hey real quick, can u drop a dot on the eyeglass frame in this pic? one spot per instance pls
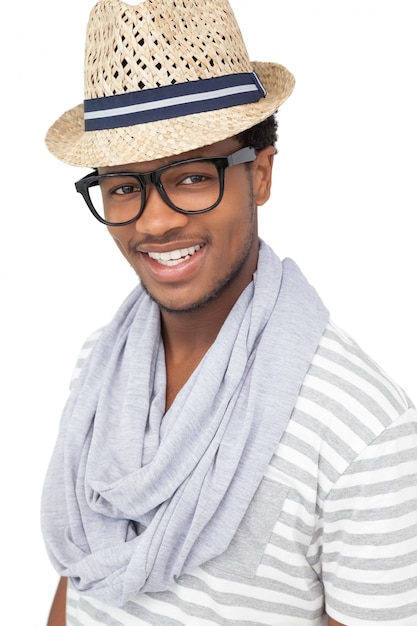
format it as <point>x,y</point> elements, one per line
<point>246,154</point>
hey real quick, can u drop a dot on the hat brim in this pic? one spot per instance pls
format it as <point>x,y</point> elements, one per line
<point>69,142</point>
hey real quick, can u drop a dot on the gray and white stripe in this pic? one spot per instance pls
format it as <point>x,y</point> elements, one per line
<point>343,528</point>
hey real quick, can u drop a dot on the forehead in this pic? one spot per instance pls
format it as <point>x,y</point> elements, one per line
<point>221,148</point>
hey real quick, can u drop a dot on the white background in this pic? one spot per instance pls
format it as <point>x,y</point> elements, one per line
<point>343,206</point>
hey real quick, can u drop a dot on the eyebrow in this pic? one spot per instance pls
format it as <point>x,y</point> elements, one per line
<point>176,160</point>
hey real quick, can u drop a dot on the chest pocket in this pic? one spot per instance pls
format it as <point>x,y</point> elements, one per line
<point>241,559</point>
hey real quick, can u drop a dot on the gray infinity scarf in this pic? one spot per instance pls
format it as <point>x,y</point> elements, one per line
<point>134,496</point>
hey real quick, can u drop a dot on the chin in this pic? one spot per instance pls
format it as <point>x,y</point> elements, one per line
<point>178,308</point>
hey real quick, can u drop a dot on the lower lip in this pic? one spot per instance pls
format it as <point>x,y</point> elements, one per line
<point>174,273</point>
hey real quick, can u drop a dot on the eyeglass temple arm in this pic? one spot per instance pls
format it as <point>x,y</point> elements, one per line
<point>245,155</point>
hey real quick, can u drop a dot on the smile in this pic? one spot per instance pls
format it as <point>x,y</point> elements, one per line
<point>174,257</point>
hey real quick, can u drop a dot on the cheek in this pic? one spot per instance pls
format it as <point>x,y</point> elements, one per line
<point>120,241</point>
<point>236,230</point>
<point>236,211</point>
<point>242,214</point>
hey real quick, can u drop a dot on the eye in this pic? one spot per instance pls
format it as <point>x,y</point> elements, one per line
<point>125,190</point>
<point>194,179</point>
<point>119,187</point>
<point>189,177</point>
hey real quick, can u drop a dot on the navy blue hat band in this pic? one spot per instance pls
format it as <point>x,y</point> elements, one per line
<point>169,101</point>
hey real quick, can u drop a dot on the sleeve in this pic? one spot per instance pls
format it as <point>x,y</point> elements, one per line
<point>369,533</point>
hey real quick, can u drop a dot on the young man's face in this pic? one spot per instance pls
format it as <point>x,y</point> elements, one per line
<point>217,250</point>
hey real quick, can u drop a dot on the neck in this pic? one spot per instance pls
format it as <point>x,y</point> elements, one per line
<point>187,337</point>
<point>194,331</point>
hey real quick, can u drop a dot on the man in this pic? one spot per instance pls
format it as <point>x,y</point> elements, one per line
<point>227,454</point>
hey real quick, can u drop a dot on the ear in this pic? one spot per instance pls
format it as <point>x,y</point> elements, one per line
<point>262,174</point>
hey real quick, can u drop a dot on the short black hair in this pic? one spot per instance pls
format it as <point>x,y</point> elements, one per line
<point>260,136</point>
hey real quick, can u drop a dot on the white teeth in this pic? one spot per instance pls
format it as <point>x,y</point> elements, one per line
<point>174,257</point>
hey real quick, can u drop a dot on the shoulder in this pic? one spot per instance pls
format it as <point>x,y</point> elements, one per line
<point>343,374</point>
<point>345,405</point>
<point>346,395</point>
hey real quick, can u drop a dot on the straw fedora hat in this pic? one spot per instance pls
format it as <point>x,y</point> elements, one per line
<point>162,78</point>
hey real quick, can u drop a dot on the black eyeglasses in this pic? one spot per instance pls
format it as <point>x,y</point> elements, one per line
<point>190,186</point>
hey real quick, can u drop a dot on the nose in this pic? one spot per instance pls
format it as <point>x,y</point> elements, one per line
<point>158,217</point>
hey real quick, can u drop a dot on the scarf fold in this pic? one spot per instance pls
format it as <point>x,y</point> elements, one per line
<point>134,496</point>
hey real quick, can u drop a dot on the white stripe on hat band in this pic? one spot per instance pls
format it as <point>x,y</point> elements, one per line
<point>167,102</point>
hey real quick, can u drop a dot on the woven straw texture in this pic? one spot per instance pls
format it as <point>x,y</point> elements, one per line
<point>157,43</point>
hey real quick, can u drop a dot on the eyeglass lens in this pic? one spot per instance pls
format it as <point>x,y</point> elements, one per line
<point>188,186</point>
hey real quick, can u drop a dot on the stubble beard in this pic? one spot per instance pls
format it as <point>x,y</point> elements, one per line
<point>224,282</point>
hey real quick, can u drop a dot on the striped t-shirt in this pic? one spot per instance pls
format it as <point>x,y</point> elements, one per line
<point>332,527</point>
